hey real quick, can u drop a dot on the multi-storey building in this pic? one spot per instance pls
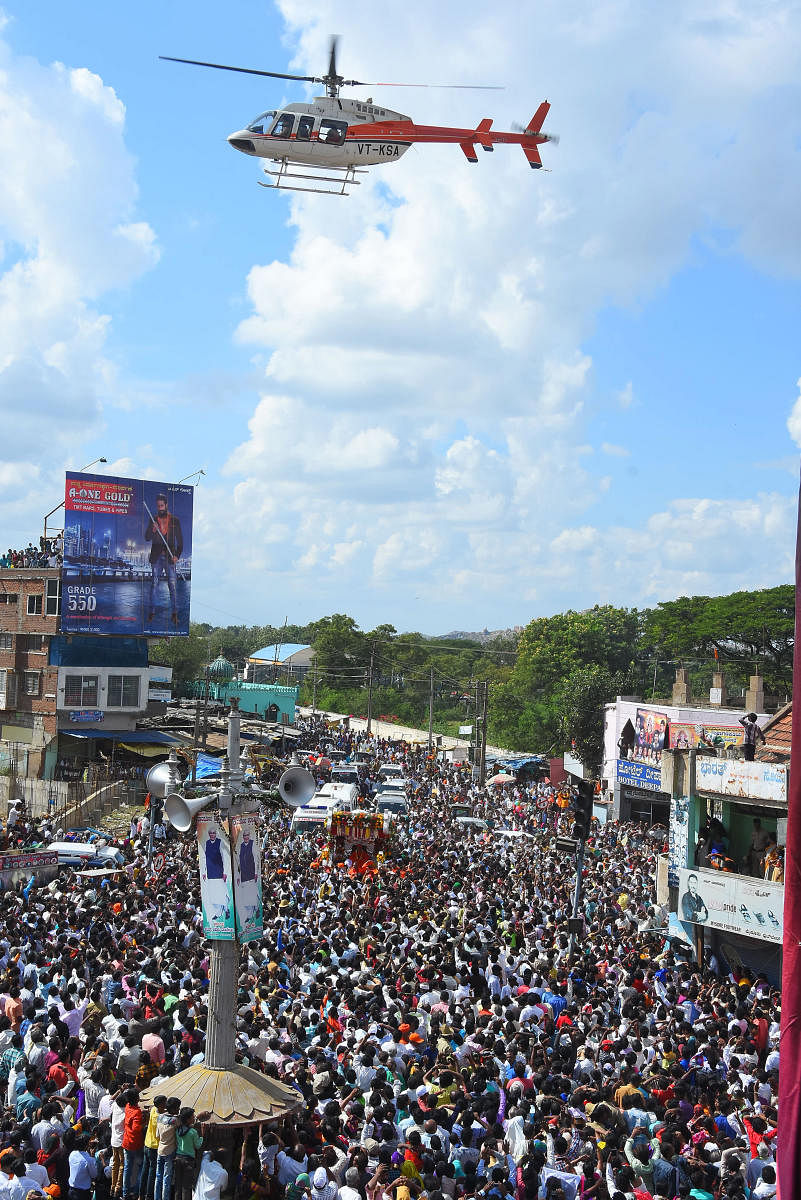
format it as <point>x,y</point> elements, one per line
<point>62,694</point>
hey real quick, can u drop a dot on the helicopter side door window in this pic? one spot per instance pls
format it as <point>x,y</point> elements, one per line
<point>283,126</point>
<point>332,133</point>
<point>305,127</point>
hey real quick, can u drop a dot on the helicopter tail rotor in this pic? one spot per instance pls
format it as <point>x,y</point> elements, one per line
<point>549,137</point>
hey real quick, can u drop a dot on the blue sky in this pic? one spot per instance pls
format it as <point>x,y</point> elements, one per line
<point>468,395</point>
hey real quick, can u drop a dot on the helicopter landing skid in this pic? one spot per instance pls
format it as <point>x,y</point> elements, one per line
<point>344,176</point>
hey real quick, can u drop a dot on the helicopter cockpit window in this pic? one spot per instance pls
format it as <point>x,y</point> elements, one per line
<point>283,126</point>
<point>332,133</point>
<point>305,127</point>
<point>262,123</point>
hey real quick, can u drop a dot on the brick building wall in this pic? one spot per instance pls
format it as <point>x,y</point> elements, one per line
<point>29,617</point>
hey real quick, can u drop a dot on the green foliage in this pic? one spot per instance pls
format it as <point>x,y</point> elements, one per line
<point>580,701</point>
<point>548,687</point>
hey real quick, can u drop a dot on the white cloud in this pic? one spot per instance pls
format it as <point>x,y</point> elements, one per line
<point>794,419</point>
<point>69,233</point>
<point>426,399</point>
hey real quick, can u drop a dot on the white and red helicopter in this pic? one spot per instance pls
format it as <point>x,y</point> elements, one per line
<point>332,139</point>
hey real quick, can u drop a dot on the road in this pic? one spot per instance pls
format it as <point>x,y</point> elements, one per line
<point>388,729</point>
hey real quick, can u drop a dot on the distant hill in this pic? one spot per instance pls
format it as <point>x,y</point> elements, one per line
<point>485,635</point>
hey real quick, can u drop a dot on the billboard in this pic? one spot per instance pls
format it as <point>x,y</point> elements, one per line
<point>733,903</point>
<point>216,882</point>
<point>127,556</point>
<point>684,735</point>
<point>247,877</point>
<point>650,734</point>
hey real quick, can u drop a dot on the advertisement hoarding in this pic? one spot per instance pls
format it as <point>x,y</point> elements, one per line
<point>733,903</point>
<point>748,780</point>
<point>247,877</point>
<point>685,735</point>
<point>216,880</point>
<point>650,734</point>
<point>127,556</point>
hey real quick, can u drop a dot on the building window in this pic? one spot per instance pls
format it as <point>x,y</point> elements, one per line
<point>8,597</point>
<point>80,691</point>
<point>6,641</point>
<point>53,600</point>
<point>32,643</point>
<point>123,691</point>
<point>8,689</point>
<point>32,682</point>
<point>35,606</point>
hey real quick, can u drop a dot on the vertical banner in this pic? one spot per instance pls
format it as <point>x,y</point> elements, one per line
<point>216,878</point>
<point>789,1161</point>
<point>247,878</point>
<point>127,565</point>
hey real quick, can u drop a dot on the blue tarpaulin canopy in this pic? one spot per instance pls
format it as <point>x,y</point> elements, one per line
<point>207,765</point>
<point>515,764</point>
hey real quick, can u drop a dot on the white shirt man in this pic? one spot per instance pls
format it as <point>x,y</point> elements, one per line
<point>211,1181</point>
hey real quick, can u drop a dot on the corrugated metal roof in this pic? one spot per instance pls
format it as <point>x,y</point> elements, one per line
<point>279,654</point>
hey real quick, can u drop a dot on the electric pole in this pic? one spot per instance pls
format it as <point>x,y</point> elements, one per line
<point>483,751</point>
<point>431,710</point>
<point>314,689</point>
<point>370,691</point>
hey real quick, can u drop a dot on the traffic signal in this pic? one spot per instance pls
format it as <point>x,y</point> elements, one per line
<point>583,810</point>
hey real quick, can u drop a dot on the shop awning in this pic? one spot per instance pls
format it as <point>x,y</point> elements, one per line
<point>146,749</point>
<point>147,737</point>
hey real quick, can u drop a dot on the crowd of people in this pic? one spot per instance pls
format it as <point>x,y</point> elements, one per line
<point>49,553</point>
<point>441,1041</point>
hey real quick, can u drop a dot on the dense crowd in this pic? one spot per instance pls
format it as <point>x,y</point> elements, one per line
<point>440,1040</point>
<point>49,553</point>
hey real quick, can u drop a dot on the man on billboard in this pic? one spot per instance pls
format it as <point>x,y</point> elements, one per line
<point>166,546</point>
<point>692,904</point>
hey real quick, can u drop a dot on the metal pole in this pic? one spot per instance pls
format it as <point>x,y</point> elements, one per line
<point>206,711</point>
<point>370,692</point>
<point>484,712</point>
<point>314,690</point>
<point>431,710</point>
<point>576,899</point>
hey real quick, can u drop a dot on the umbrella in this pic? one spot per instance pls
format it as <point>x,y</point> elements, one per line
<point>502,777</point>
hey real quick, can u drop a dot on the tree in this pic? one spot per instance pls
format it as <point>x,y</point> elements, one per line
<point>581,700</point>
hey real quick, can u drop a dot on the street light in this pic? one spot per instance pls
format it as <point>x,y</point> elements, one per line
<point>61,502</point>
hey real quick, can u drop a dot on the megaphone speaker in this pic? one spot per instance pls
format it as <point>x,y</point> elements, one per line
<point>296,787</point>
<point>181,813</point>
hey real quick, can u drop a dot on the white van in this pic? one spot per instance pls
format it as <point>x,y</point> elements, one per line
<point>392,805</point>
<point>344,796</point>
<point>390,771</point>
<point>311,820</point>
<point>315,817</point>
<point>89,854</point>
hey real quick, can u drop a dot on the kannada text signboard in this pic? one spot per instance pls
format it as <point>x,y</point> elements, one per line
<point>748,780</point>
<point>639,774</point>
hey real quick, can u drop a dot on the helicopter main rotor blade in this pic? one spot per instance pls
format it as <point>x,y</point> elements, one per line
<point>463,87</point>
<point>332,55</point>
<point>193,62</point>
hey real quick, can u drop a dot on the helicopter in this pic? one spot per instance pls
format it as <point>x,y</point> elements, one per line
<point>333,139</point>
